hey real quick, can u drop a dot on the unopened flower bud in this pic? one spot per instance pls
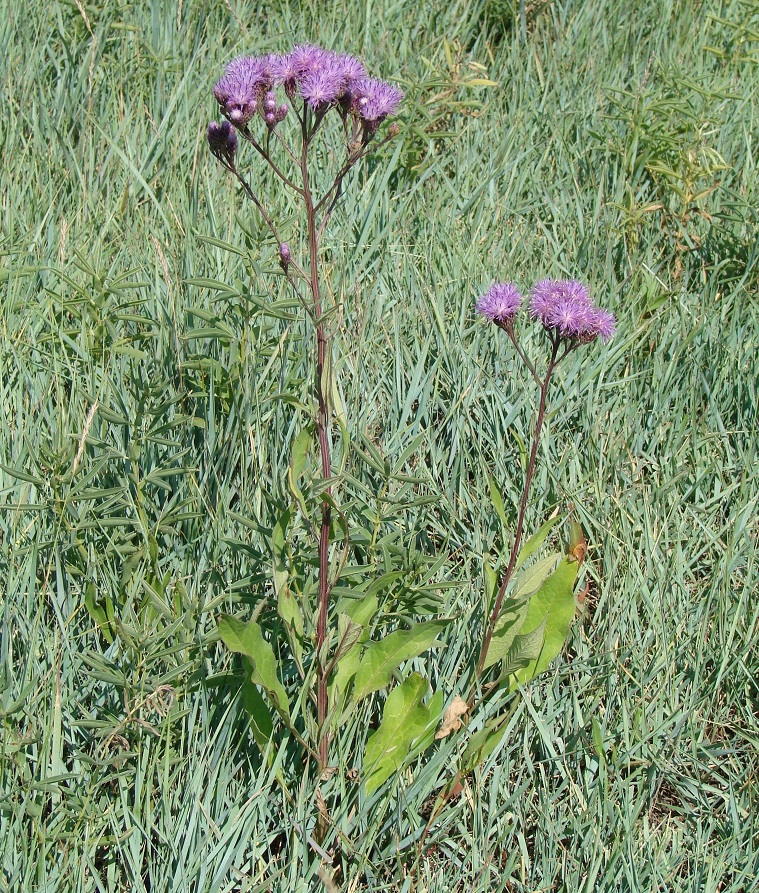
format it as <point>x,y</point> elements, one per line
<point>222,139</point>
<point>284,255</point>
<point>270,102</point>
<point>393,130</point>
<point>271,119</point>
<point>237,117</point>
<point>282,112</point>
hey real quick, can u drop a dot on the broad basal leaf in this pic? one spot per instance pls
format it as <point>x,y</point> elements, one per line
<point>381,659</point>
<point>515,609</point>
<point>255,706</point>
<point>405,720</point>
<point>553,605</point>
<point>536,540</point>
<point>248,639</point>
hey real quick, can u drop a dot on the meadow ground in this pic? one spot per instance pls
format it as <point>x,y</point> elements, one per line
<point>144,438</point>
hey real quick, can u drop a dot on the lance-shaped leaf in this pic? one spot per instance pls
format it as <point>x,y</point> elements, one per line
<point>301,445</point>
<point>552,606</point>
<point>405,721</point>
<point>513,614</point>
<point>360,611</point>
<point>381,659</point>
<point>536,540</point>
<point>525,649</point>
<point>348,634</point>
<point>484,742</point>
<point>255,706</point>
<point>248,639</point>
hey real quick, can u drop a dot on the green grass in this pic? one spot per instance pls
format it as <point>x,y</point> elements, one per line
<point>126,764</point>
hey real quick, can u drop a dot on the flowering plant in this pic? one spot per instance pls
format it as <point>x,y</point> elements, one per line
<point>329,639</point>
<point>527,621</point>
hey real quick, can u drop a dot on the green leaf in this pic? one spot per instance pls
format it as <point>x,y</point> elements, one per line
<point>553,605</point>
<point>360,611</point>
<point>531,579</point>
<point>248,639</point>
<point>483,742</point>
<point>288,607</point>
<point>381,659</point>
<point>301,445</point>
<point>515,608</point>
<point>279,552</point>
<point>510,621</point>
<point>497,500</point>
<point>491,583</point>
<point>348,634</point>
<point>525,649</point>
<point>536,540</point>
<point>404,721</point>
<point>260,719</point>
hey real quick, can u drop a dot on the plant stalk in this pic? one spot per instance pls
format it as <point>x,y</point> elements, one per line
<point>323,414</point>
<point>522,510</point>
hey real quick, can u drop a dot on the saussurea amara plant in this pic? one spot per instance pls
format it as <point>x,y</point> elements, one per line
<point>527,617</point>
<point>332,115</point>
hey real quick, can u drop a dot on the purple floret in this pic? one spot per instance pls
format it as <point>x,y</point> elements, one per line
<point>374,99</point>
<point>500,302</point>
<point>322,87</point>
<point>571,316</point>
<point>603,324</point>
<point>246,80</point>
<point>564,305</point>
<point>305,58</point>
<point>348,68</point>
<point>546,294</point>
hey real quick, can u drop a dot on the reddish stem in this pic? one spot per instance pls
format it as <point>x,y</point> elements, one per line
<point>322,431</point>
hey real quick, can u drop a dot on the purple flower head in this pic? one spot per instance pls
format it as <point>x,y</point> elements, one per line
<point>222,140</point>
<point>500,303</point>
<point>303,59</point>
<point>287,72</point>
<point>603,325</point>
<point>246,80</point>
<point>373,99</point>
<point>571,316</point>
<point>564,305</point>
<point>348,68</point>
<point>322,87</point>
<point>547,293</point>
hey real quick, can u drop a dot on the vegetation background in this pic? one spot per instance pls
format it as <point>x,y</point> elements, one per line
<point>143,436</point>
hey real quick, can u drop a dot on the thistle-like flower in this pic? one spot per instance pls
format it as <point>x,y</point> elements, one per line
<point>322,87</point>
<point>373,100</point>
<point>500,303</point>
<point>564,306</point>
<point>245,81</point>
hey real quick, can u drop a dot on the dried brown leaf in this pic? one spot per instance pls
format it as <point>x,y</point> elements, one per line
<point>452,717</point>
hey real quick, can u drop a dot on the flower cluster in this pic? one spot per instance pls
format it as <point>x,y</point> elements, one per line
<point>322,78</point>
<point>563,306</point>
